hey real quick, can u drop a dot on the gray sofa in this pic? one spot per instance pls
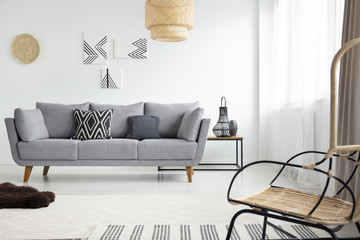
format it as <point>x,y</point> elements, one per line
<point>59,149</point>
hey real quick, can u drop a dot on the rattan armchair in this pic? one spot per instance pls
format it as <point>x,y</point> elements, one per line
<point>306,208</point>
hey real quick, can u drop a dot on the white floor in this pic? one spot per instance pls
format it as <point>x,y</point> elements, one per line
<point>130,180</point>
<point>198,202</point>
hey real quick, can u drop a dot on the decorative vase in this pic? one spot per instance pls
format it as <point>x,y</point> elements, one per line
<point>233,127</point>
<point>221,129</point>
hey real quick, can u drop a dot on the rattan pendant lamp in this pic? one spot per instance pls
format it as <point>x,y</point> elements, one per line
<point>169,20</point>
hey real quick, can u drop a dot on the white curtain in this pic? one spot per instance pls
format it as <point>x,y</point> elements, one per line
<point>298,40</point>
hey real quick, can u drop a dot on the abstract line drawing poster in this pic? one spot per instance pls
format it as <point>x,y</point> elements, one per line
<point>95,48</point>
<point>111,78</point>
<point>131,48</point>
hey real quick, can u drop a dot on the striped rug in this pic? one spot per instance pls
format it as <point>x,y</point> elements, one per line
<point>196,232</point>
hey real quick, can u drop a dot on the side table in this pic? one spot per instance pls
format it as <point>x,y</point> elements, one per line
<point>236,164</point>
<point>237,140</point>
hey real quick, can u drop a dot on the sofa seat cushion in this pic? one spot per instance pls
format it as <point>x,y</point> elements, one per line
<point>49,149</point>
<point>166,149</point>
<point>115,148</point>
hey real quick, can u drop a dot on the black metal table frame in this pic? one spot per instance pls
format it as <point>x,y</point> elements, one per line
<point>219,164</point>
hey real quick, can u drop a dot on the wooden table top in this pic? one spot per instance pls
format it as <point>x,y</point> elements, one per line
<point>225,138</point>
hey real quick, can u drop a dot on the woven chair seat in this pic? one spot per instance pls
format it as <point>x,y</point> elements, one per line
<point>331,211</point>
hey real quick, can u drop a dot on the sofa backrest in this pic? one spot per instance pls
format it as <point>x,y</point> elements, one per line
<point>60,123</point>
<point>119,124</point>
<point>59,118</point>
<point>170,116</point>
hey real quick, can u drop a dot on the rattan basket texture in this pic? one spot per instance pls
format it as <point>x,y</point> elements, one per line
<point>25,48</point>
<point>331,211</point>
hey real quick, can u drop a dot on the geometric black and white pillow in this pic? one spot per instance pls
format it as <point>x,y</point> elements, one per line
<point>92,124</point>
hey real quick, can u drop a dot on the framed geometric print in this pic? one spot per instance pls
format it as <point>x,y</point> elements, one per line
<point>111,78</point>
<point>95,48</point>
<point>131,48</point>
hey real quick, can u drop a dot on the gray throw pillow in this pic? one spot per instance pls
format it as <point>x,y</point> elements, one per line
<point>190,124</point>
<point>120,125</point>
<point>170,116</point>
<point>143,127</point>
<point>59,119</point>
<point>30,124</point>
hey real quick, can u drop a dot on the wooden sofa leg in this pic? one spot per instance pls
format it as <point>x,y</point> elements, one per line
<point>46,170</point>
<point>189,173</point>
<point>192,170</point>
<point>27,173</point>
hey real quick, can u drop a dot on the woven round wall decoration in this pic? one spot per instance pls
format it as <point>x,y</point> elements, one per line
<point>25,48</point>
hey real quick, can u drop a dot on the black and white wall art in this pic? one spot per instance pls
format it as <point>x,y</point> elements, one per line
<point>95,48</point>
<point>131,48</point>
<point>111,78</point>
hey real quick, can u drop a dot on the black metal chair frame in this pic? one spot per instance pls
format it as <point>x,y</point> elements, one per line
<point>270,213</point>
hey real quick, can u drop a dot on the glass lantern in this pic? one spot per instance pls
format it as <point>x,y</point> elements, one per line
<point>221,129</point>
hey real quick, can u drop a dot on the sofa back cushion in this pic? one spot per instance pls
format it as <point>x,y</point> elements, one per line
<point>59,119</point>
<point>170,116</point>
<point>120,125</point>
<point>30,124</point>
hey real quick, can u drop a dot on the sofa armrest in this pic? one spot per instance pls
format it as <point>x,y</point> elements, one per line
<point>13,139</point>
<point>202,138</point>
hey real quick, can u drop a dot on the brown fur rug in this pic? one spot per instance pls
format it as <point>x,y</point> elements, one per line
<point>12,196</point>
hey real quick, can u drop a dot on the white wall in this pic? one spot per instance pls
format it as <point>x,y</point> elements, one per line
<point>220,58</point>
